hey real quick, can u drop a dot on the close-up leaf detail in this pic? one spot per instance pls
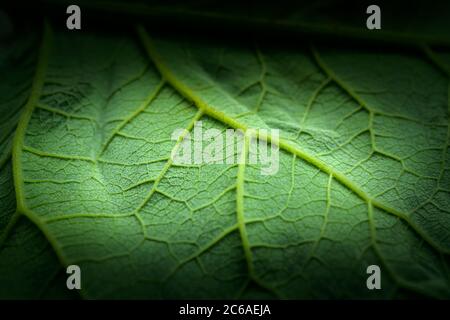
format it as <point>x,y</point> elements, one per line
<point>87,176</point>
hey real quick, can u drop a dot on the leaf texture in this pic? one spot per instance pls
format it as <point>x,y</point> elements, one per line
<point>364,173</point>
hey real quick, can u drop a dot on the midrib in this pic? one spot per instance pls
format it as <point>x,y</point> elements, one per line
<point>17,148</point>
<point>262,23</point>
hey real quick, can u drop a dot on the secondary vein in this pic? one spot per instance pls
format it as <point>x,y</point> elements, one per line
<point>240,206</point>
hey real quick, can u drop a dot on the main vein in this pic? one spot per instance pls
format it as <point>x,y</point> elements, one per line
<point>17,148</point>
<point>36,89</point>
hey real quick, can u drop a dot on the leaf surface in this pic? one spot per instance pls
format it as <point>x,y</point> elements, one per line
<point>363,168</point>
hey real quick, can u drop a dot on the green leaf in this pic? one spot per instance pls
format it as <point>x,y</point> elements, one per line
<point>18,65</point>
<point>364,174</point>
